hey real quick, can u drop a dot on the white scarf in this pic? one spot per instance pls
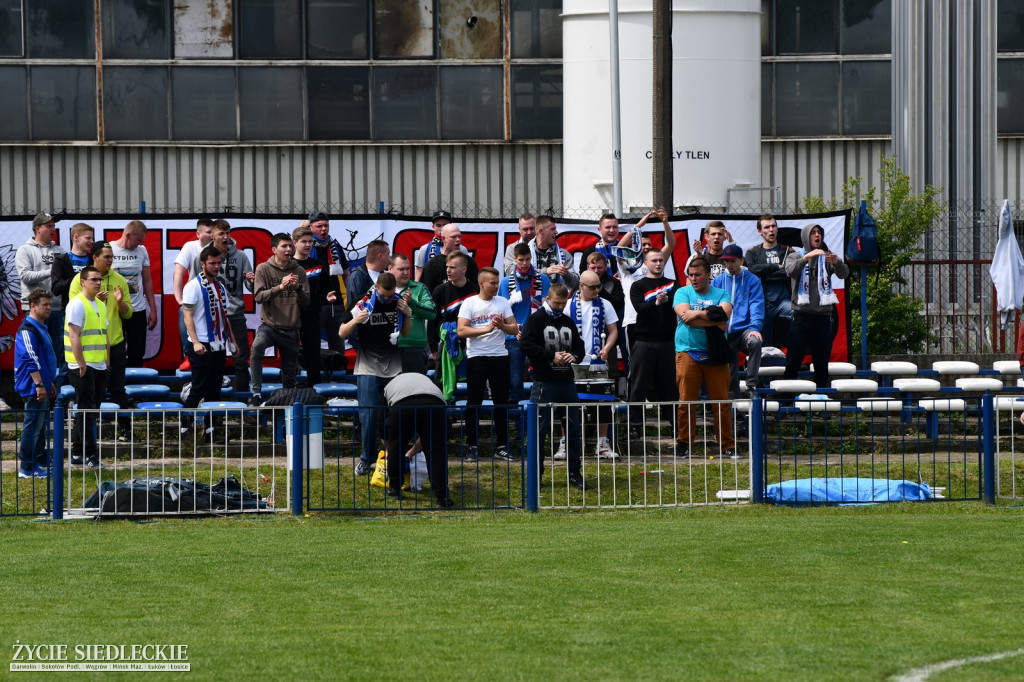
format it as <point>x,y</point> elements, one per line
<point>825,294</point>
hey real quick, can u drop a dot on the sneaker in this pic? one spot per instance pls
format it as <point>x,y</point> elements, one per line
<point>185,366</point>
<point>41,472</point>
<point>92,462</point>
<point>501,452</point>
<point>560,453</point>
<point>76,460</point>
<point>256,400</point>
<point>394,494</point>
<point>604,449</point>
<point>125,436</point>
<point>26,474</point>
<point>682,449</point>
<point>576,481</point>
<point>4,407</point>
<point>472,454</point>
<point>730,454</point>
<point>445,502</point>
<point>362,469</point>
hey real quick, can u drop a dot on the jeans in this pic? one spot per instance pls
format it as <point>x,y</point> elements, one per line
<point>287,343</point>
<point>751,347</point>
<point>370,396</point>
<point>516,370</point>
<point>33,434</point>
<point>773,310</point>
<point>562,393</point>
<point>241,330</point>
<point>55,325</point>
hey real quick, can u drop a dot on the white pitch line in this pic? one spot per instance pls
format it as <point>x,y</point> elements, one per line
<point>921,674</point>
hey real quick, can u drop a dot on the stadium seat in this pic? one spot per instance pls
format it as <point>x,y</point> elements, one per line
<point>134,375</point>
<point>840,369</point>
<point>979,384</point>
<point>961,367</point>
<point>880,405</point>
<point>916,384</point>
<point>1011,367</point>
<point>855,385</point>
<point>147,391</point>
<point>793,386</point>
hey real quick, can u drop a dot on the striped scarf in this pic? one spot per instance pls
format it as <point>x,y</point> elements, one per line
<point>215,306</point>
<point>370,301</point>
<point>536,286</point>
<point>597,318</point>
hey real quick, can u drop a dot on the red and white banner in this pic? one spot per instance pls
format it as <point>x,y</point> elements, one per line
<point>486,241</point>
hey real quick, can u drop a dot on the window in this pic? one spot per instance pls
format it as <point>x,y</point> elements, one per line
<point>339,102</point>
<point>810,27</point>
<point>472,103</point>
<point>10,29</point>
<point>1010,23</point>
<point>537,102</point>
<point>470,29</point>
<point>536,28</point>
<point>14,93</point>
<point>135,102</point>
<point>270,101</point>
<point>63,29</point>
<point>403,29</point>
<point>867,98</point>
<point>405,103</point>
<point>337,29</point>
<point>805,26</point>
<point>203,29</point>
<point>1010,96</point>
<point>135,29</point>
<point>269,29</point>
<point>806,98</point>
<point>63,102</point>
<point>204,103</point>
<point>867,27</point>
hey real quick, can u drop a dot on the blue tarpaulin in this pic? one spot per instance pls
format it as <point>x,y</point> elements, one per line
<point>809,490</point>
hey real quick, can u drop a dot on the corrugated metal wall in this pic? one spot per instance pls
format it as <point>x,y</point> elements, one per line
<point>483,181</point>
<point>470,180</point>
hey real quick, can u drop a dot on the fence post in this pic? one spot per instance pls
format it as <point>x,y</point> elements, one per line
<point>988,458</point>
<point>532,461</point>
<point>57,464</point>
<point>757,449</point>
<point>298,442</point>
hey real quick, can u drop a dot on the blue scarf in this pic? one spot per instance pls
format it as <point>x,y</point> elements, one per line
<point>597,316</point>
<point>536,285</point>
<point>214,297</point>
<point>371,299</point>
<point>610,253</point>
<point>433,249</point>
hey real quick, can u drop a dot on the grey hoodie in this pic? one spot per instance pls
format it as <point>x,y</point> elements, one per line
<point>280,308</point>
<point>794,268</point>
<point>232,273</point>
<point>34,261</point>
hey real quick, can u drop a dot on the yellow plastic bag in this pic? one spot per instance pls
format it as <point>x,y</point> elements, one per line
<point>380,472</point>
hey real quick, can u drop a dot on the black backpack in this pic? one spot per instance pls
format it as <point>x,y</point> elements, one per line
<point>863,247</point>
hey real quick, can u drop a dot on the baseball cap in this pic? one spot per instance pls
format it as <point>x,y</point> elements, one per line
<point>99,246</point>
<point>42,219</point>
<point>316,216</point>
<point>731,252</point>
<point>441,214</point>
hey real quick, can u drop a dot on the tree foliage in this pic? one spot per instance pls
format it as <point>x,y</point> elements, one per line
<point>896,324</point>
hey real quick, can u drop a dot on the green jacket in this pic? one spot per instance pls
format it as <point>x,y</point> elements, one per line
<point>423,310</point>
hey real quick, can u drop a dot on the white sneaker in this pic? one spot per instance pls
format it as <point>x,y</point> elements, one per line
<point>560,453</point>
<point>4,407</point>
<point>604,449</point>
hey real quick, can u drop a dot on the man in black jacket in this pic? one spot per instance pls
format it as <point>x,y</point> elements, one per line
<point>551,341</point>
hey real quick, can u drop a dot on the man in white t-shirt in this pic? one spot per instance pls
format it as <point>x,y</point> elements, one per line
<point>484,320</point>
<point>595,320</point>
<point>87,351</point>
<point>131,261</point>
<point>187,265</point>
<point>210,338</point>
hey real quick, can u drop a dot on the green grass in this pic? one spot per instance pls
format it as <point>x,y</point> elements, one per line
<point>697,593</point>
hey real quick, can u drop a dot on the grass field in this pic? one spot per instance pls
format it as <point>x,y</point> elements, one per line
<point>694,593</point>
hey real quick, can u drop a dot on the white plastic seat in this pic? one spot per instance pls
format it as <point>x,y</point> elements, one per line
<point>1006,367</point>
<point>793,386</point>
<point>880,405</point>
<point>855,385</point>
<point>955,367</point>
<point>1007,402</point>
<point>744,406</point>
<point>893,367</point>
<point>819,405</point>
<point>840,369</point>
<point>916,384</point>
<point>942,404</point>
<point>771,371</point>
<point>979,384</point>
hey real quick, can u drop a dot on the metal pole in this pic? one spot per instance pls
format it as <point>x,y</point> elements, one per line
<point>661,105</point>
<point>988,463</point>
<point>298,433</point>
<point>757,449</point>
<point>57,463</point>
<point>863,317</point>
<point>613,65</point>
<point>532,458</point>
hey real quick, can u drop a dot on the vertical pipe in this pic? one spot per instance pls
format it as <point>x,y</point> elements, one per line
<point>661,106</point>
<point>532,458</point>
<point>757,446</point>
<point>863,317</point>
<point>988,450</point>
<point>298,431</point>
<point>57,463</point>
<point>613,65</point>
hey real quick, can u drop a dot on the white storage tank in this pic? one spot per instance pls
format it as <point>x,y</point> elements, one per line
<point>716,73</point>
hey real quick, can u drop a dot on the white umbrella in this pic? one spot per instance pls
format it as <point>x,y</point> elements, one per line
<point>1007,269</point>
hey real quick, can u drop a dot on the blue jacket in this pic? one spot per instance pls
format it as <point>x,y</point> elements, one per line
<point>33,352</point>
<point>522,310</point>
<point>747,296</point>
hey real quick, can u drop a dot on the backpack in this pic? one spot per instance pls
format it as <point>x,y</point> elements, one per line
<point>863,246</point>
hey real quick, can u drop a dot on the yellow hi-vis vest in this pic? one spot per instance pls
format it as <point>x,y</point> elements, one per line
<point>94,333</point>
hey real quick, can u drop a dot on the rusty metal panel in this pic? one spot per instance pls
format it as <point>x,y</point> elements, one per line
<point>470,29</point>
<point>404,28</point>
<point>204,29</point>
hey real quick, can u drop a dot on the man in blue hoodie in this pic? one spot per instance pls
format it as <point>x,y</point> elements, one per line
<point>35,368</point>
<point>747,321</point>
